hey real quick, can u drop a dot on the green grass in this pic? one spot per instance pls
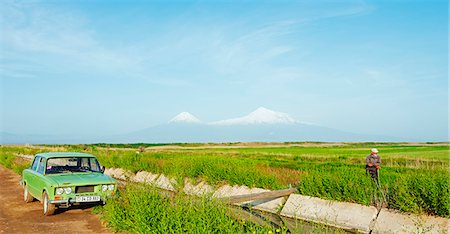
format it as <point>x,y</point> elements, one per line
<point>415,178</point>
<point>409,190</point>
<point>9,160</point>
<point>142,209</point>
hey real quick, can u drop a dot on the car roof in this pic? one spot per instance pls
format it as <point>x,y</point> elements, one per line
<point>63,154</point>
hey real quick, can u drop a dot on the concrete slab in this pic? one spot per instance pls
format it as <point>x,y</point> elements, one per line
<point>338,214</point>
<point>268,205</point>
<point>200,189</point>
<point>390,221</point>
<point>145,177</point>
<point>110,172</point>
<point>166,183</point>
<point>223,191</point>
<point>229,191</point>
<point>119,173</point>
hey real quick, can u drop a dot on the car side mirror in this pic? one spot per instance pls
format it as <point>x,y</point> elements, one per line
<point>103,169</point>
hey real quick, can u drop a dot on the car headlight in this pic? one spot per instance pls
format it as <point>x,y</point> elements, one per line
<point>68,190</point>
<point>59,191</point>
<point>104,188</point>
<point>111,187</point>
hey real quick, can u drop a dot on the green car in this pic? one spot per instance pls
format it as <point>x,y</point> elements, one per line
<point>60,180</point>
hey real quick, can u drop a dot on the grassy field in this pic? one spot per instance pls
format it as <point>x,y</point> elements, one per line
<point>142,209</point>
<point>414,177</point>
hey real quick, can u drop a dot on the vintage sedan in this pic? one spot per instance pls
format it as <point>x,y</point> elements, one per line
<point>60,180</point>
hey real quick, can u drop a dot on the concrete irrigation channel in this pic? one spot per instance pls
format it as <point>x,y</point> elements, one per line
<point>297,212</point>
<point>284,208</point>
<point>261,208</point>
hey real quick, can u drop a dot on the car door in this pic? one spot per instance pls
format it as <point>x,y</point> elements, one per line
<point>30,176</point>
<point>40,181</point>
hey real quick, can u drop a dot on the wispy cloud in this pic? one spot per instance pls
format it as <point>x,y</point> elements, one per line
<point>251,55</point>
<point>31,33</point>
<point>30,27</point>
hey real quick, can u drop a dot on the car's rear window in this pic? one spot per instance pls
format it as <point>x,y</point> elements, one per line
<point>72,164</point>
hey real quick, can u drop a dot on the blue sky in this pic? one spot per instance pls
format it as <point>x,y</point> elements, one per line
<point>110,67</point>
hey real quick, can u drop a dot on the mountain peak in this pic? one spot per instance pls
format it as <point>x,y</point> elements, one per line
<point>184,117</point>
<point>259,116</point>
<point>263,111</point>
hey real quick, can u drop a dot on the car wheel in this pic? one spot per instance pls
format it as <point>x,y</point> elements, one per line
<point>27,197</point>
<point>49,209</point>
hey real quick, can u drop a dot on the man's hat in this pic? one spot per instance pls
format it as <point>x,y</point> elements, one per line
<point>374,150</point>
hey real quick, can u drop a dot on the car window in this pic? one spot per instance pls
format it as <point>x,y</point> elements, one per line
<point>90,163</point>
<point>84,162</point>
<point>35,163</point>
<point>93,163</point>
<point>72,164</point>
<point>41,166</point>
<point>67,162</point>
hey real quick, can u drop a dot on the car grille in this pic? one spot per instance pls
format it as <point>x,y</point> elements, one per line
<point>84,189</point>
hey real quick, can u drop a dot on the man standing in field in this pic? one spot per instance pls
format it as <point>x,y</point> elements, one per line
<point>373,162</point>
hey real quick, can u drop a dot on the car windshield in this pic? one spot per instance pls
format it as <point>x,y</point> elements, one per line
<point>72,164</point>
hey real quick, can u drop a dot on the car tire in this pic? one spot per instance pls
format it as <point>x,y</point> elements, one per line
<point>27,197</point>
<point>49,209</point>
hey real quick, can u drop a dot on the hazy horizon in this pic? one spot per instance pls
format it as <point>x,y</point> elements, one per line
<point>112,67</point>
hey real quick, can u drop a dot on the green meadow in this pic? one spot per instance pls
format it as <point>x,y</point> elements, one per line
<point>414,177</point>
<point>142,209</point>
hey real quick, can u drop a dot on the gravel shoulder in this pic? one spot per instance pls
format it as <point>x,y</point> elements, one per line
<point>16,216</point>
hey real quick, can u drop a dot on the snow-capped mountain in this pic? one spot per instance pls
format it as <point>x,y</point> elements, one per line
<point>259,116</point>
<point>185,117</point>
<point>260,125</point>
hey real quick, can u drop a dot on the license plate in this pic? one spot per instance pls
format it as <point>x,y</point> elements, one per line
<point>88,199</point>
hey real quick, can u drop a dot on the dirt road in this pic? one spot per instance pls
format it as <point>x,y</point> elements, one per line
<point>16,216</point>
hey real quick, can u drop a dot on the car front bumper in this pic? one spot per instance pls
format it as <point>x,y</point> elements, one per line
<point>71,201</point>
<point>59,201</point>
